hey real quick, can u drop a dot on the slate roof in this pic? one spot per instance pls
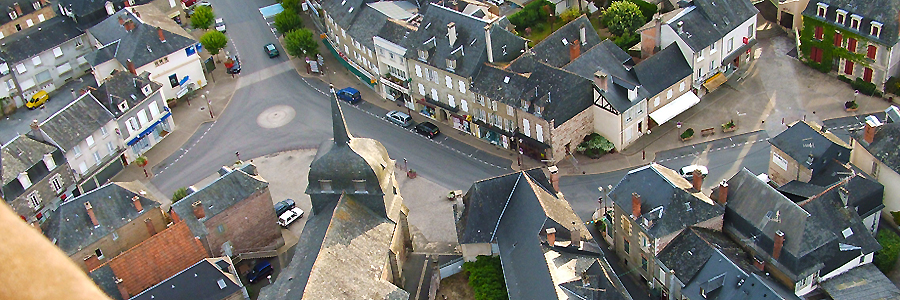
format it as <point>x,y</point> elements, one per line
<point>39,38</point>
<point>560,93</point>
<point>865,193</point>
<point>514,211</point>
<point>710,20</point>
<point>348,264</point>
<point>882,11</point>
<point>367,23</point>
<point>75,122</point>
<point>104,277</point>
<point>720,278</point>
<point>469,44</point>
<point>219,196</point>
<point>608,58</point>
<point>394,32</point>
<point>803,140</point>
<point>85,7</point>
<point>662,70</point>
<point>21,154</point>
<point>142,45</point>
<point>884,145</point>
<point>71,228</point>
<point>863,282</point>
<point>554,49</point>
<point>597,282</point>
<point>658,187</point>
<point>813,228</point>
<point>201,282</point>
<point>491,83</point>
<point>340,11</point>
<point>505,45</point>
<point>123,86</point>
<point>25,6</point>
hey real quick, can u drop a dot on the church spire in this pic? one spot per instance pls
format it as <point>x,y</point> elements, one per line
<point>341,136</point>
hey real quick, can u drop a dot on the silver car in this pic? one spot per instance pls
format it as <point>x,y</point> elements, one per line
<point>399,118</point>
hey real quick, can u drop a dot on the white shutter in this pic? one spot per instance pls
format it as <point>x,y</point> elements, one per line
<point>142,117</point>
<point>57,52</point>
<point>462,87</point>
<point>421,89</point>
<point>451,100</point>
<point>539,132</point>
<point>36,60</point>
<point>419,72</point>
<point>464,105</point>
<point>449,82</point>
<point>527,127</point>
<point>434,94</point>
<point>154,109</point>
<point>21,68</point>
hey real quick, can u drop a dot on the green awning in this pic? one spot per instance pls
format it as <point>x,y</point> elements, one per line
<point>362,76</point>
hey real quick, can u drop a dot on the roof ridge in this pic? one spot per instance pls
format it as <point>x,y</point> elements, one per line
<point>505,205</point>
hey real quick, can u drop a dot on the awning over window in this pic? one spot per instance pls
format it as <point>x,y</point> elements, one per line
<point>677,106</point>
<point>714,82</point>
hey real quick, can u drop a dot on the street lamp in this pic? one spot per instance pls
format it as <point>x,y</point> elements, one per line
<point>208,104</point>
<point>678,124</point>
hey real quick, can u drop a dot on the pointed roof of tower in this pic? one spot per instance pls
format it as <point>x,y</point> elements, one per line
<point>341,136</point>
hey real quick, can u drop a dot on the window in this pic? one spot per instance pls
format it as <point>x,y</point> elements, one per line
<point>750,31</point>
<point>325,185</point>
<point>115,236</point>
<point>730,45</point>
<point>434,95</point>
<point>462,87</point>
<point>626,225</point>
<point>57,52</point>
<point>841,16</point>
<point>626,245</point>
<point>867,75</point>
<point>848,67</point>
<point>34,200</point>
<point>668,94</point>
<point>464,105</point>
<point>343,33</point>
<point>24,180</point>
<point>360,186</point>
<point>103,131</point>
<point>874,168</point>
<point>851,44</point>
<point>13,15</point>
<point>854,21</point>
<point>526,127</point>
<point>98,253</point>
<point>63,68</point>
<point>78,43</point>
<point>539,132</point>
<point>82,167</point>
<point>509,110</point>
<point>712,48</point>
<point>418,71</point>
<point>680,87</point>
<point>36,60</point>
<point>111,147</point>
<point>142,117</point>
<point>36,5</point>
<point>871,51</point>
<point>656,102</point>
<point>838,39</point>
<point>421,89</point>
<point>434,75</point>
<point>56,183</point>
<point>161,61</point>
<point>875,30</point>
<point>815,54</point>
<point>820,11</point>
<point>29,23</point>
<point>76,150</point>
<point>449,82</point>
<point>820,33</point>
<point>451,100</point>
<point>220,228</point>
<point>643,262</point>
<point>132,125</point>
<point>642,238</point>
<point>21,68</point>
<point>43,76</point>
<point>97,157</point>
<point>90,141</point>
<point>41,17</point>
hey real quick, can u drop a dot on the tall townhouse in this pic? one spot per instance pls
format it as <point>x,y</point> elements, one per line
<point>855,39</point>
<point>389,46</point>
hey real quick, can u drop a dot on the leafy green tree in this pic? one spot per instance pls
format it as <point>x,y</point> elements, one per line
<point>214,41</point>
<point>647,9</point>
<point>290,4</point>
<point>203,17</point>
<point>179,194</point>
<point>570,14</point>
<point>301,42</point>
<point>623,17</point>
<point>890,250</point>
<point>486,278</point>
<point>287,20</point>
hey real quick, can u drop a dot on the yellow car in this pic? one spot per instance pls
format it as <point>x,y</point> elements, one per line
<point>37,100</point>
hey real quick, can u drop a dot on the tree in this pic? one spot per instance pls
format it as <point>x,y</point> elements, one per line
<point>203,17</point>
<point>301,42</point>
<point>213,41</point>
<point>287,20</point>
<point>179,194</point>
<point>290,4</point>
<point>890,250</point>
<point>570,14</point>
<point>623,17</point>
<point>600,4</point>
<point>486,278</point>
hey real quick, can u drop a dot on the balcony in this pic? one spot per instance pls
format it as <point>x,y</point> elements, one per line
<point>396,83</point>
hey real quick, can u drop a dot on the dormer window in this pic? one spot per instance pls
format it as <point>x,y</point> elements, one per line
<point>360,186</point>
<point>854,21</point>
<point>875,29</point>
<point>123,106</point>
<point>423,55</point>
<point>36,5</point>
<point>820,11</point>
<point>13,15</point>
<point>841,16</point>
<point>451,64</point>
<point>537,110</point>
<point>325,185</point>
<point>24,180</point>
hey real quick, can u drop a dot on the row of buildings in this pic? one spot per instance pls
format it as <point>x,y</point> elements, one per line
<point>462,64</point>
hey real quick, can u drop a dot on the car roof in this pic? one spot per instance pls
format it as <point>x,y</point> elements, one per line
<point>428,124</point>
<point>348,89</point>
<point>270,45</point>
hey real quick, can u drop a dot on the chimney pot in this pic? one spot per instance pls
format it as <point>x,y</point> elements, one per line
<point>723,193</point>
<point>18,9</point>
<point>198,210</point>
<point>162,37</point>
<point>551,236</point>
<point>137,203</point>
<point>554,177</point>
<point>870,130</point>
<point>697,180</point>
<point>451,33</point>
<point>635,205</point>
<point>150,228</point>
<point>759,264</point>
<point>574,50</point>
<point>130,66</point>
<point>779,243</point>
<point>90,211</point>
<point>137,14</point>
<point>680,27</point>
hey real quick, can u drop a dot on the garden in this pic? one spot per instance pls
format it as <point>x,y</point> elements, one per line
<point>486,278</point>
<point>595,146</point>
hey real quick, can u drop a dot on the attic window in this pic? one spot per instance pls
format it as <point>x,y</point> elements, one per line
<point>360,186</point>
<point>820,11</point>
<point>221,283</point>
<point>504,49</point>
<point>423,55</point>
<point>146,90</point>
<point>350,11</point>
<point>506,79</point>
<point>326,186</point>
<point>875,29</point>
<point>451,64</point>
<point>123,106</point>
<point>565,42</point>
<point>854,21</point>
<point>847,232</point>
<point>841,16</point>
<point>343,2</point>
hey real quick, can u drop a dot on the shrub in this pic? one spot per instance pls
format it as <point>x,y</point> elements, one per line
<point>627,41</point>
<point>892,85</point>
<point>179,194</point>
<point>570,14</point>
<point>486,278</point>
<point>687,133</point>
<point>845,79</point>
<point>531,14</point>
<point>647,9</point>
<point>896,215</point>
<point>595,145</point>
<point>890,250</point>
<point>600,226</point>
<point>866,88</point>
<point>623,17</point>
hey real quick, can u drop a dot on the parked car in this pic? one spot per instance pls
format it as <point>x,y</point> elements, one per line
<point>283,206</point>
<point>350,95</point>
<point>220,25</point>
<point>233,65</point>
<point>399,118</point>
<point>427,129</point>
<point>260,271</point>
<point>290,216</point>
<point>688,171</point>
<point>271,50</point>
<point>37,99</point>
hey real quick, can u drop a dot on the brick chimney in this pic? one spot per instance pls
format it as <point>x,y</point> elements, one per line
<point>175,217</point>
<point>574,50</point>
<point>121,20</point>
<point>130,66</point>
<point>120,284</point>
<point>779,243</point>
<point>635,205</point>
<point>600,79</point>
<point>137,203</point>
<point>723,193</point>
<point>576,237</point>
<point>137,13</point>
<point>198,210</point>
<point>90,212</point>
<point>36,130</point>
<point>150,229</point>
<point>870,130</point>
<point>551,236</point>
<point>17,8</point>
<point>554,177</point>
<point>129,25</point>
<point>162,37</point>
<point>696,180</point>
<point>759,264</point>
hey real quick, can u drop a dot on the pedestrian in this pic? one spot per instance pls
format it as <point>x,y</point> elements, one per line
<point>238,154</point>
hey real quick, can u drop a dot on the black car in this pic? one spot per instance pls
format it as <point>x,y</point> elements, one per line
<point>427,129</point>
<point>236,68</point>
<point>260,271</point>
<point>283,206</point>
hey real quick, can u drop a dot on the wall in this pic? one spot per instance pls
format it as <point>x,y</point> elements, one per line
<point>250,225</point>
<point>894,59</point>
<point>661,99</point>
<point>472,251</point>
<point>796,8</point>
<point>71,51</point>
<point>630,129</point>
<point>179,64</point>
<point>571,133</point>
<point>458,88</point>
<point>861,158</point>
<point>155,99</point>
<point>102,71</point>
<point>130,235</point>
<point>533,122</point>
<point>390,54</point>
<point>100,146</point>
<point>794,171</point>
<point>36,17</point>
<point>21,203</point>
<point>608,125</point>
<point>849,265</point>
<point>361,56</point>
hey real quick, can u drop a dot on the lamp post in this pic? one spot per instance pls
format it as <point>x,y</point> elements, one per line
<point>208,104</point>
<point>678,124</point>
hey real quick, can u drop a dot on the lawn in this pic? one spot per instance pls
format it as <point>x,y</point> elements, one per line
<point>540,31</point>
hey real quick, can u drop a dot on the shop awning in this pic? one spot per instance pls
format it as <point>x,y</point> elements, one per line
<point>714,82</point>
<point>148,130</point>
<point>677,106</point>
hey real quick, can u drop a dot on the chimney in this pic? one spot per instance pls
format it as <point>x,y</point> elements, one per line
<point>723,193</point>
<point>150,229</point>
<point>488,45</point>
<point>779,243</point>
<point>90,211</point>
<point>18,9</point>
<point>576,237</point>
<point>554,177</point>
<point>121,20</point>
<point>130,66</point>
<point>679,27</point>
<point>36,130</point>
<point>174,215</point>
<point>582,35</point>
<point>696,180</point>
<point>137,14</point>
<point>162,37</point>
<point>137,203</point>
<point>759,264</point>
<point>122,290</point>
<point>574,50</point>
<point>129,25</point>
<point>658,30</point>
<point>551,236</point>
<point>600,79</point>
<point>198,210</point>
<point>872,124</point>
<point>635,205</point>
<point>451,33</point>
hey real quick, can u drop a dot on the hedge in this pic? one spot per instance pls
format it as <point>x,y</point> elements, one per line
<point>486,278</point>
<point>886,258</point>
<point>647,9</point>
<point>866,88</point>
<point>533,13</point>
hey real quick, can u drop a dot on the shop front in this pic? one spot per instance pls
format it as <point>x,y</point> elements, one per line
<point>397,90</point>
<point>531,147</point>
<point>438,110</point>
<point>460,122</point>
<point>493,134</point>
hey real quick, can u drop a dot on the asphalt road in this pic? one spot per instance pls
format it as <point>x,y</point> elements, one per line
<point>275,109</point>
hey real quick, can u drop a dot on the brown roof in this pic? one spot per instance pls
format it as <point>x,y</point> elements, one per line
<point>157,258</point>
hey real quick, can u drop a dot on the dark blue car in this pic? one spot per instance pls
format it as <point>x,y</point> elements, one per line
<point>350,95</point>
<point>260,271</point>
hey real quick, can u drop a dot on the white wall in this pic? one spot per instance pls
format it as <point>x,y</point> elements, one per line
<point>885,175</point>
<point>102,71</point>
<point>850,265</point>
<point>608,125</point>
<point>179,64</point>
<point>86,155</point>
<point>630,132</point>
